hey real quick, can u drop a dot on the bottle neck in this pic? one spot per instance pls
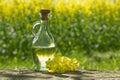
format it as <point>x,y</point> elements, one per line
<point>44,21</point>
<point>44,16</point>
<point>44,24</point>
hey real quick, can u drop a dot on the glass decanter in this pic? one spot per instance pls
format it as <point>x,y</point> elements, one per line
<point>43,44</point>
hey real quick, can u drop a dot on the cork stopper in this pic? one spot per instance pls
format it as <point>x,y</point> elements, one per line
<point>44,14</point>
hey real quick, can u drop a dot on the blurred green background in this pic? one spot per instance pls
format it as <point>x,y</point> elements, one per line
<point>88,30</point>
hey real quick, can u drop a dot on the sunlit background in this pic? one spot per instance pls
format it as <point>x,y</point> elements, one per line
<point>88,30</point>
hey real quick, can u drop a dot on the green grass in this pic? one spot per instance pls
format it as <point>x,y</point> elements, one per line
<point>97,61</point>
<point>17,63</point>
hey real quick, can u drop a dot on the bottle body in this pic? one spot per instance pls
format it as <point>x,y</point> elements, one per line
<point>43,44</point>
<point>41,55</point>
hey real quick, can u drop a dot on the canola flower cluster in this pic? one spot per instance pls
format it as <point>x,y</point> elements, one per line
<point>61,64</point>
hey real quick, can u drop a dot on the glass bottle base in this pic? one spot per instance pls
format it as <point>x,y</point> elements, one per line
<point>42,69</point>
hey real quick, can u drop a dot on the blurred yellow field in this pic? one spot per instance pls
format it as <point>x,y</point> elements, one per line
<point>80,28</point>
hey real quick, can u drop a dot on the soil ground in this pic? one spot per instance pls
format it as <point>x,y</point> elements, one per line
<point>77,75</point>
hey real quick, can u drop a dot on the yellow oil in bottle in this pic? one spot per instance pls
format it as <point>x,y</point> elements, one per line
<point>41,55</point>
